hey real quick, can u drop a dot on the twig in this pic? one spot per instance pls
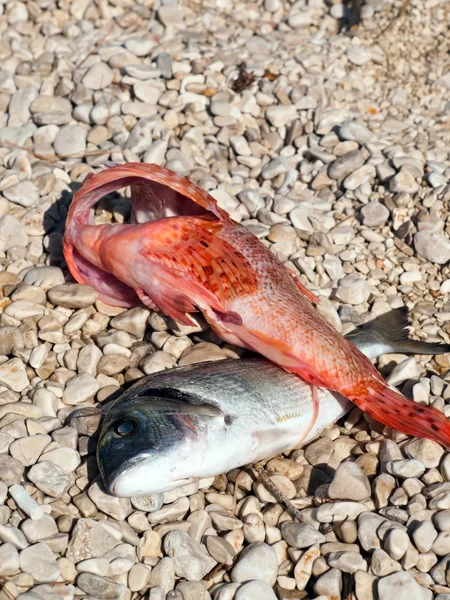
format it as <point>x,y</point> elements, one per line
<point>96,46</point>
<point>275,490</point>
<point>399,15</point>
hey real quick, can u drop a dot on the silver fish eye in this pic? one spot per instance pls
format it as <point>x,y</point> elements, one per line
<point>124,428</point>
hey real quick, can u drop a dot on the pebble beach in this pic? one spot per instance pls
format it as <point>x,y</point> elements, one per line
<point>332,145</point>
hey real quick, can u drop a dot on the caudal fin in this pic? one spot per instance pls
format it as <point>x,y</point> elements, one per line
<point>388,333</point>
<point>391,408</point>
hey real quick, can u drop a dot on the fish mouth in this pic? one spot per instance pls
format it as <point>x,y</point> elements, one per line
<point>120,487</point>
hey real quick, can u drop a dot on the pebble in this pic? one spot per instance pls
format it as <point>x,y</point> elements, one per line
<point>70,140</point>
<point>353,290</point>
<point>24,193</point>
<point>432,245</point>
<point>402,586</point>
<point>255,589</point>
<point>405,468</point>
<point>50,479</point>
<point>72,295</point>
<point>299,535</point>
<point>374,214</point>
<point>257,561</point>
<point>98,587</point>
<point>80,389</point>
<point>40,562</point>
<point>349,483</point>
<point>190,558</point>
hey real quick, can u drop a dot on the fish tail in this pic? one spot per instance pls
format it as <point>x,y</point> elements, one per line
<point>392,408</point>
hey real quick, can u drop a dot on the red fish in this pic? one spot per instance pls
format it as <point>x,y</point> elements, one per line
<point>183,253</point>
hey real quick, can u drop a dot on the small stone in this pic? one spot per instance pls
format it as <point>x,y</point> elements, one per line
<point>70,140</point>
<point>9,560</point>
<point>40,562</point>
<point>407,369</point>
<point>190,558</point>
<point>300,535</point>
<point>363,175</point>
<point>396,543</point>
<point>11,470</point>
<point>98,587</point>
<point>403,182</point>
<point>357,55</point>
<point>424,536</point>
<point>10,337</point>
<point>163,575</point>
<point>118,508</point>
<point>89,539</point>
<point>98,77</point>
<point>221,550</point>
<point>252,590</point>
<point>24,193</point>
<point>281,115</point>
<point>402,586</point>
<point>349,483</point>
<point>347,562</point>
<point>432,245</point>
<point>382,564</point>
<point>405,468</point>
<point>13,375</point>
<point>50,479</point>
<point>351,130</point>
<point>346,164</point>
<point>12,233</point>
<point>72,295</point>
<point>138,577</point>
<point>353,289</point>
<point>427,451</point>
<point>374,214</point>
<point>28,449</point>
<point>80,389</point>
<point>329,584</point>
<point>257,561</point>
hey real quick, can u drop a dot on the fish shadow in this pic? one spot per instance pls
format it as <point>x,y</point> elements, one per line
<point>54,226</point>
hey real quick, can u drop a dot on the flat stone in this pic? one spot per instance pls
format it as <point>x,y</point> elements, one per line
<point>89,539</point>
<point>353,289</point>
<point>12,233</point>
<point>72,295</point>
<point>118,508</point>
<point>70,140</point>
<point>40,562</point>
<point>50,479</point>
<point>281,115</point>
<point>252,590</point>
<point>24,193</point>
<point>299,535</point>
<point>9,560</point>
<point>349,483</point>
<point>80,388</point>
<point>98,587</point>
<point>98,77</point>
<point>13,375</point>
<point>257,561</point>
<point>402,586</point>
<point>191,560</point>
<point>432,245</point>
<point>374,214</point>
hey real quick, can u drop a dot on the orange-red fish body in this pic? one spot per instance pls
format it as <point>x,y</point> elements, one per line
<point>184,253</point>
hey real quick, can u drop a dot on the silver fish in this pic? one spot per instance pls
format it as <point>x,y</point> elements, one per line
<point>188,423</point>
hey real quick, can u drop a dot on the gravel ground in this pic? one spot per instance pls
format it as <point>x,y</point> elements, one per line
<point>334,150</point>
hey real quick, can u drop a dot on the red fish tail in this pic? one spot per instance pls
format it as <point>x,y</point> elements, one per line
<point>391,408</point>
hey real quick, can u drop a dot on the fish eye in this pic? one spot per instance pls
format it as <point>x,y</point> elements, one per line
<point>124,428</point>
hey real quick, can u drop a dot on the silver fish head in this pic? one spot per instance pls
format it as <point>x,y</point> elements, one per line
<point>152,444</point>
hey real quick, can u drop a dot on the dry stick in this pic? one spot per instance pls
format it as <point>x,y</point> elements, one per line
<point>275,490</point>
<point>399,15</point>
<point>96,46</point>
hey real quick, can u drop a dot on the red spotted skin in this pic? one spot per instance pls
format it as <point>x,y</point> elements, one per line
<point>199,259</point>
